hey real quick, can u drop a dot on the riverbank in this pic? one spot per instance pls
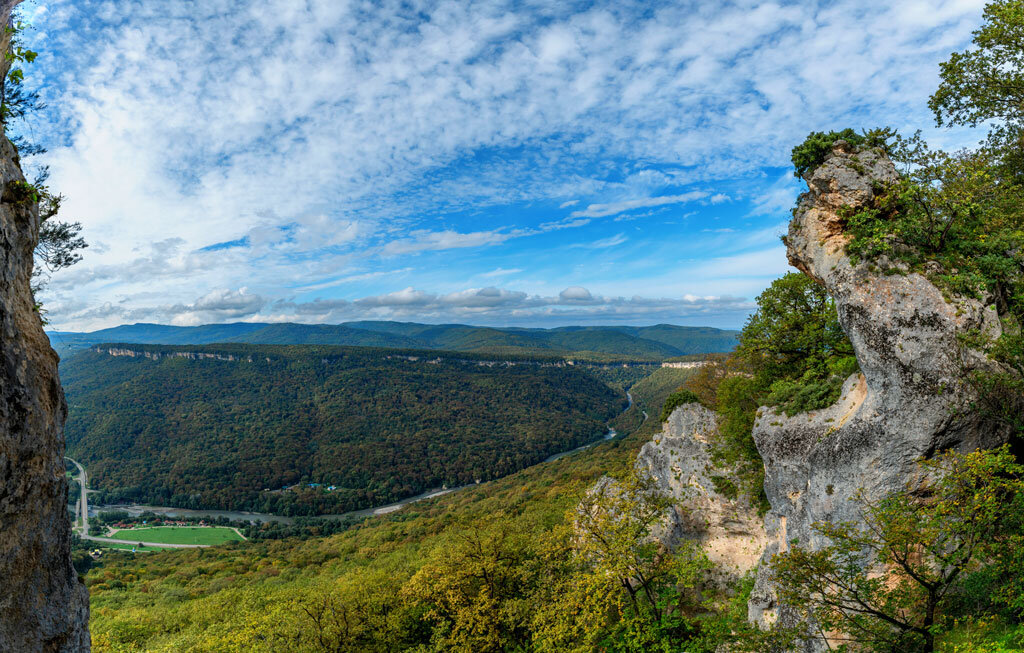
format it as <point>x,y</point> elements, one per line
<point>246,516</point>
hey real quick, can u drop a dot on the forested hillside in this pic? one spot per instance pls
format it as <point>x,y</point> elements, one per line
<point>232,429</point>
<point>600,342</point>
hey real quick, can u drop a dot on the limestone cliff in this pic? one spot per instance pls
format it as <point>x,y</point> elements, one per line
<point>907,403</point>
<point>678,459</point>
<point>43,606</point>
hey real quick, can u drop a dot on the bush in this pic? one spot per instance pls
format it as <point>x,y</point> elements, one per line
<point>810,154</point>
<point>678,398</point>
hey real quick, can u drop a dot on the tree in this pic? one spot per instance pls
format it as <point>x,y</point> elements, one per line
<point>680,397</point>
<point>15,100</point>
<point>887,582</point>
<point>793,356</point>
<point>60,243</point>
<point>986,83</point>
<point>795,333</point>
<point>616,546</point>
<point>475,592</point>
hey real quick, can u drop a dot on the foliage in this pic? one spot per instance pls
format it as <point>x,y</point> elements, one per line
<point>793,355</point>
<point>678,398</point>
<point>59,242</point>
<point>794,339</point>
<point>986,82</point>
<point>378,425</point>
<point>888,584</point>
<point>959,217</point>
<point>596,346</point>
<point>810,154</point>
<point>15,100</point>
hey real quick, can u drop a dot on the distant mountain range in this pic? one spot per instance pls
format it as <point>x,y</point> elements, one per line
<point>656,342</point>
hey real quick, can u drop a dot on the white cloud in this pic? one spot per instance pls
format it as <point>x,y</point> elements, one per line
<point>501,272</point>
<point>502,306</point>
<point>423,240</point>
<point>575,294</point>
<point>604,243</point>
<point>323,134</point>
<point>603,210</point>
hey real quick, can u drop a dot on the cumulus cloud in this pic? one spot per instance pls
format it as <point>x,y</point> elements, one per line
<point>575,294</point>
<point>221,305</point>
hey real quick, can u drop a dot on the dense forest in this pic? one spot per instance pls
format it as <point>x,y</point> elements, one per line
<point>652,343</point>
<point>374,425</point>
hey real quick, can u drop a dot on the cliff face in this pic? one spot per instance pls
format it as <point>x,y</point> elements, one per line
<point>908,403</point>
<point>678,459</point>
<point>43,606</point>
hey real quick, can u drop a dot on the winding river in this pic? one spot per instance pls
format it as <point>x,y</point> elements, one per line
<point>133,509</point>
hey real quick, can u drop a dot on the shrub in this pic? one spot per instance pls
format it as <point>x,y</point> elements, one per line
<point>810,154</point>
<point>678,398</point>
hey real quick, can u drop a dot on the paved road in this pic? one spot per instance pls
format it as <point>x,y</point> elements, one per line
<point>83,511</point>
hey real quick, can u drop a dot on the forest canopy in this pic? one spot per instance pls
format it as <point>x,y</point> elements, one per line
<point>377,425</point>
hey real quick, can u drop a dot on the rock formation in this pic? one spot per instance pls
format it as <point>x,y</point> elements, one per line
<point>43,605</point>
<point>678,459</point>
<point>907,403</point>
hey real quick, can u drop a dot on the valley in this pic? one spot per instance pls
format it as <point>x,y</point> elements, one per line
<point>307,430</point>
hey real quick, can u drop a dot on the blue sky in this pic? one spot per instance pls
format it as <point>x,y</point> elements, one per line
<point>528,163</point>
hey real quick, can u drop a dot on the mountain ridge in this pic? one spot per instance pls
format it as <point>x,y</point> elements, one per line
<point>655,342</point>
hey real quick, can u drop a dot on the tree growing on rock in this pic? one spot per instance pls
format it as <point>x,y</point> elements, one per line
<point>892,581</point>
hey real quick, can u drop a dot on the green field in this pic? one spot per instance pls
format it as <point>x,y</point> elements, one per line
<point>179,534</point>
<point>127,547</point>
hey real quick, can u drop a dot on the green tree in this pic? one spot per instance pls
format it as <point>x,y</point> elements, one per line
<point>793,356</point>
<point>887,582</point>
<point>654,590</point>
<point>795,336</point>
<point>810,154</point>
<point>987,82</point>
<point>680,397</point>
<point>60,243</point>
<point>476,591</point>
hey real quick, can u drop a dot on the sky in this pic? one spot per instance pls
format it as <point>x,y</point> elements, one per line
<point>485,162</point>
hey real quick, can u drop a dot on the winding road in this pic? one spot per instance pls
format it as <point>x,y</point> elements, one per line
<point>83,505</point>
<point>83,511</point>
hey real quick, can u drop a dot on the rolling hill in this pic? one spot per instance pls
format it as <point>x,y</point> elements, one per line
<point>599,342</point>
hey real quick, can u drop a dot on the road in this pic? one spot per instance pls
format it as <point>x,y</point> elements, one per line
<point>380,510</point>
<point>83,511</point>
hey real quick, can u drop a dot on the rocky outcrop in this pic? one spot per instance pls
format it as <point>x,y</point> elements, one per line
<point>43,605</point>
<point>729,531</point>
<point>157,355</point>
<point>908,402</point>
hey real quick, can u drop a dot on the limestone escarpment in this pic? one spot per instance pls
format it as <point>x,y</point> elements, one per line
<point>909,401</point>
<point>43,605</point>
<point>678,459</point>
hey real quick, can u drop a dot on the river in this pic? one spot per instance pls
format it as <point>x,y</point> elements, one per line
<point>133,509</point>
